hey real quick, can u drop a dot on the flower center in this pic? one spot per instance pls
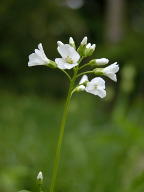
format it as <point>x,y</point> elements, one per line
<point>69,60</point>
<point>95,86</point>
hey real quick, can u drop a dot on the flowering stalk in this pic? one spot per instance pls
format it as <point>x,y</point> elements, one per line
<point>62,128</point>
<point>71,59</point>
<point>40,181</point>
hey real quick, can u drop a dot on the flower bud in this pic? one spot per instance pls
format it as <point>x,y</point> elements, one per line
<point>71,42</point>
<point>102,61</point>
<point>91,49</point>
<point>84,41</point>
<point>88,46</point>
<point>80,88</point>
<point>98,62</point>
<point>81,49</point>
<point>40,177</point>
<point>84,79</point>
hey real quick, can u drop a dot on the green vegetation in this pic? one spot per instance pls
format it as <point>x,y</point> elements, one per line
<point>103,149</point>
<point>99,154</point>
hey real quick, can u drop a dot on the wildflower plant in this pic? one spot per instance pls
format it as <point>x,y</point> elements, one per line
<point>71,58</point>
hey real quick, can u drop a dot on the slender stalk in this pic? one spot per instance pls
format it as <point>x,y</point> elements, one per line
<point>62,128</point>
<point>66,74</point>
<point>40,188</point>
<point>85,65</point>
<point>83,73</point>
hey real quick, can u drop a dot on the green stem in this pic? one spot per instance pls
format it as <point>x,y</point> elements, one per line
<point>62,128</point>
<point>85,65</point>
<point>66,74</point>
<point>87,72</point>
<point>40,188</point>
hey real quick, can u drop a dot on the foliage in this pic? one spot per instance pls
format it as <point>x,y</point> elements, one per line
<point>98,155</point>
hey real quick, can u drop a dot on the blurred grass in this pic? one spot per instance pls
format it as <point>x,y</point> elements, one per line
<point>101,151</point>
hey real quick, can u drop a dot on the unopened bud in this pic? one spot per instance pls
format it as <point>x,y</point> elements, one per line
<point>102,61</point>
<point>88,46</point>
<point>80,88</point>
<point>40,177</point>
<point>93,47</point>
<point>71,42</point>
<point>83,79</point>
<point>84,41</point>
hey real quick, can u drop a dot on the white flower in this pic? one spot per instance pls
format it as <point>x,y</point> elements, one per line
<point>111,71</point>
<point>97,87</point>
<point>83,79</point>
<point>102,61</point>
<point>84,41</point>
<point>40,176</point>
<point>38,58</point>
<point>70,57</point>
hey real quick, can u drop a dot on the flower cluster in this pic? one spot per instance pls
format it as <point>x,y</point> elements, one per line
<point>71,58</point>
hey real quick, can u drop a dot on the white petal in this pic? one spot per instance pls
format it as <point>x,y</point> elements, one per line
<point>102,61</point>
<point>111,70</point>
<point>68,51</point>
<point>101,93</point>
<point>96,87</point>
<point>59,43</point>
<point>60,63</point>
<point>90,87</point>
<point>70,66</point>
<point>40,46</point>
<point>38,58</point>
<point>83,79</point>
<point>63,65</point>
<point>99,82</point>
<point>112,76</point>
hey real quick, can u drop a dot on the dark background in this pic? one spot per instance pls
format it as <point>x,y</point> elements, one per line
<point>103,148</point>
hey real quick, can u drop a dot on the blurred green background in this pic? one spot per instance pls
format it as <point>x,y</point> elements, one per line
<point>103,148</point>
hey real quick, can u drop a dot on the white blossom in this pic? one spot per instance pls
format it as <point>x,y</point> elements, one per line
<point>96,87</point>
<point>84,41</point>
<point>38,57</point>
<point>70,57</point>
<point>102,61</point>
<point>40,176</point>
<point>111,71</point>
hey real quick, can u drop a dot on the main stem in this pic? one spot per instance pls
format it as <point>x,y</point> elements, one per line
<point>60,139</point>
